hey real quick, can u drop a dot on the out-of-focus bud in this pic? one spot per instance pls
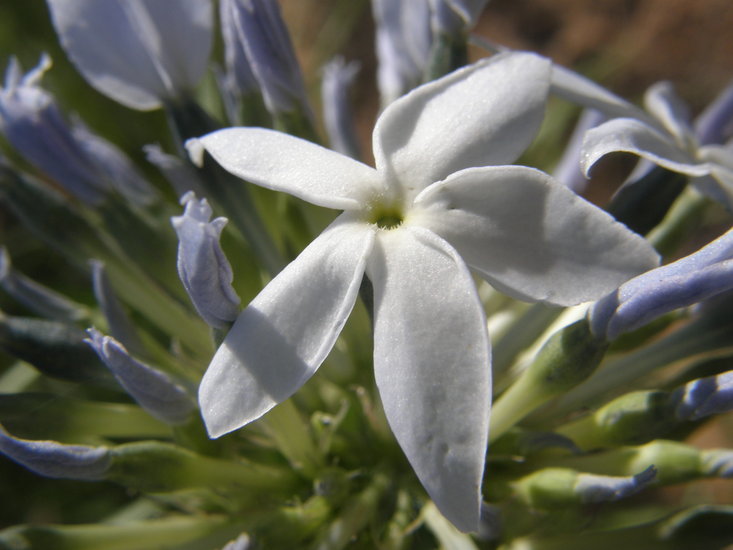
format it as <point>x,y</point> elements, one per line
<point>83,163</point>
<point>337,78</point>
<point>54,459</point>
<point>259,53</point>
<point>704,396</point>
<point>403,42</point>
<point>634,418</point>
<point>551,487</point>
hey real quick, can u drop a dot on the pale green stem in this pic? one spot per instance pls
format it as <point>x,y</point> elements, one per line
<point>293,437</point>
<point>684,216</point>
<point>356,514</point>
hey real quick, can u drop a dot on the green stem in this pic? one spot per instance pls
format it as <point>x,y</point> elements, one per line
<point>355,515</point>
<point>293,437</point>
<point>685,214</point>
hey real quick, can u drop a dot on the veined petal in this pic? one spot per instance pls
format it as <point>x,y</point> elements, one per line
<point>631,136</point>
<point>531,237</point>
<point>136,51</point>
<point>287,331</point>
<point>481,115</point>
<point>432,365</point>
<point>285,163</point>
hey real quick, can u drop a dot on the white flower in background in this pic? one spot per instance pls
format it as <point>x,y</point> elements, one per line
<point>669,141</point>
<point>440,200</point>
<point>140,53</point>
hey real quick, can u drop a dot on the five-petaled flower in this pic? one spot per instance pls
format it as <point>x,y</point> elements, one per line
<point>440,200</point>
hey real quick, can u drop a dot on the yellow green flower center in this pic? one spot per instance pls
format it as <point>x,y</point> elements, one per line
<point>387,218</point>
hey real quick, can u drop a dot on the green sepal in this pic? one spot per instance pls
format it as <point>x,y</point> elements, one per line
<point>567,358</point>
<point>632,419</point>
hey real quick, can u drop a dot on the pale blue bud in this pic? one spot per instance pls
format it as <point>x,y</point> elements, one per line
<point>53,459</point>
<point>38,298</point>
<point>705,396</point>
<point>596,488</point>
<point>239,78</point>
<point>694,278</point>
<point>255,30</point>
<point>152,389</point>
<point>202,266</point>
<point>717,462</point>
<point>454,17</point>
<point>403,42</point>
<point>338,76</point>
<point>84,164</point>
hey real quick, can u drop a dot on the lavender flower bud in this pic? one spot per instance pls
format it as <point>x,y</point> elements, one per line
<point>699,276</point>
<point>552,487</point>
<point>717,462</point>
<point>338,76</point>
<point>202,265</point>
<point>84,164</point>
<point>704,396</point>
<point>152,389</point>
<point>403,41</point>
<point>256,38</point>
<point>595,488</point>
<point>453,17</point>
<point>53,459</point>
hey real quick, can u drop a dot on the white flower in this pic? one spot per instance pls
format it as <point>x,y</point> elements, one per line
<point>138,52</point>
<point>432,207</point>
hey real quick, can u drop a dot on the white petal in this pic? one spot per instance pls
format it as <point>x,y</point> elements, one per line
<point>663,102</point>
<point>287,331</point>
<point>530,236</point>
<point>432,365</point>
<point>581,90</point>
<point>136,51</point>
<point>631,136</point>
<point>285,163</point>
<point>481,115</point>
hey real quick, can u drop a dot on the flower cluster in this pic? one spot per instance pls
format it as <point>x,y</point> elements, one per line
<point>446,411</point>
